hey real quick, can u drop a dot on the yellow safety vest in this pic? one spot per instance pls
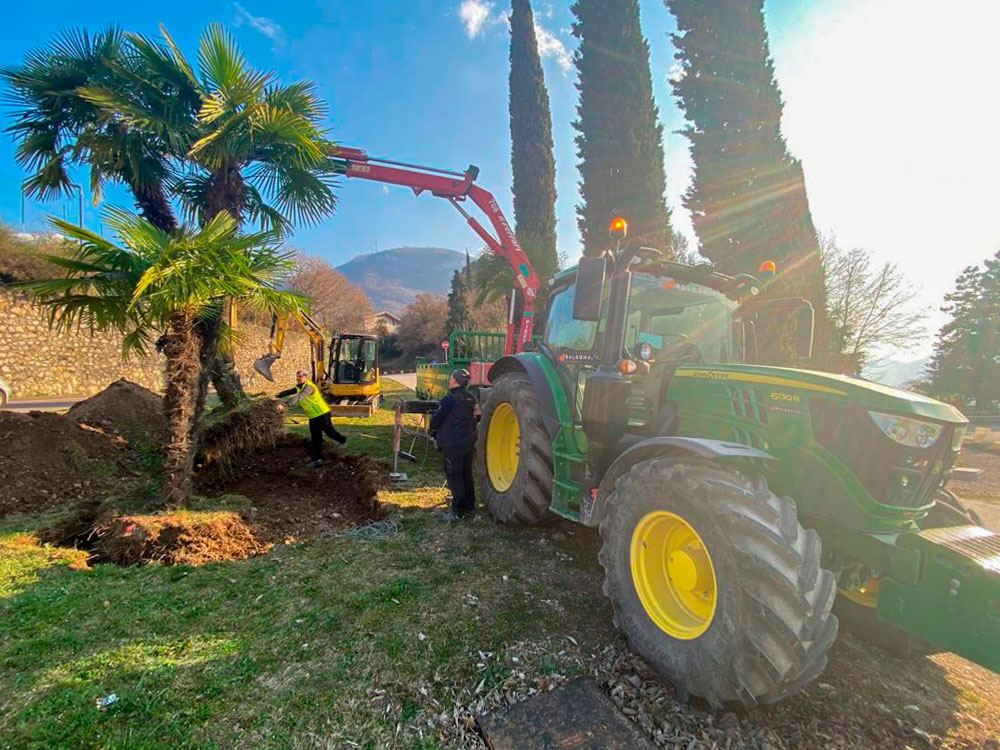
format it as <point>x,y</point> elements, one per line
<point>313,405</point>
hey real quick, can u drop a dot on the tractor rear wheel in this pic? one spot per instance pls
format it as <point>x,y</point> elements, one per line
<point>715,583</point>
<point>514,453</point>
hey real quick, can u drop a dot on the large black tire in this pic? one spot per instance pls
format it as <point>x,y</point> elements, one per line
<point>526,499</point>
<point>771,626</point>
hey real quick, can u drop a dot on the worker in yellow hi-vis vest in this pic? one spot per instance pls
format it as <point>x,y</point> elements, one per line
<point>307,395</point>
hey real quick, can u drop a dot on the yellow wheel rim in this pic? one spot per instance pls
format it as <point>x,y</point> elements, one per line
<point>866,596</point>
<point>503,447</point>
<point>673,575</point>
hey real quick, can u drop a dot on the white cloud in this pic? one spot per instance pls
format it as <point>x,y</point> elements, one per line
<point>475,14</point>
<point>266,26</point>
<point>385,190</point>
<point>550,46</point>
<point>676,72</point>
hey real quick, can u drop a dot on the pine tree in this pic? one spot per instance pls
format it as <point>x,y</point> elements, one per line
<point>966,362</point>
<point>748,198</point>
<point>532,161</point>
<point>619,137</point>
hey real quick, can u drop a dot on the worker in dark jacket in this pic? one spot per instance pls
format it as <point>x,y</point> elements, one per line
<point>453,426</point>
<point>307,395</point>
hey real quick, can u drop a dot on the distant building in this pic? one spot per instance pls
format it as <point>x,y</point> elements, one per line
<point>390,320</point>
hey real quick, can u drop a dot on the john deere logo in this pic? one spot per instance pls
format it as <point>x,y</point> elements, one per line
<point>778,396</point>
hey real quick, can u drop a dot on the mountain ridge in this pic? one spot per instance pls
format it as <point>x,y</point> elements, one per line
<point>393,278</point>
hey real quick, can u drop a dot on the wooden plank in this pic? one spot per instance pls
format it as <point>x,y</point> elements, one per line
<point>578,716</point>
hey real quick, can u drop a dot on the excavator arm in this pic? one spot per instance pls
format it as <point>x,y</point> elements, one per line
<point>456,187</point>
<point>317,346</point>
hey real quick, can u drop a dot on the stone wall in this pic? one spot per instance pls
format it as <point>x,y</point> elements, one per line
<point>35,361</point>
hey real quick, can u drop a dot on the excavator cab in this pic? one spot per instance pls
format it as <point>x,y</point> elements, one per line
<point>353,370</point>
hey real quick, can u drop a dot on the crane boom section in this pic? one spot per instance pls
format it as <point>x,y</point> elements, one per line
<point>456,187</point>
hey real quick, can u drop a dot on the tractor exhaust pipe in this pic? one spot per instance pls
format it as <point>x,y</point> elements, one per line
<point>263,365</point>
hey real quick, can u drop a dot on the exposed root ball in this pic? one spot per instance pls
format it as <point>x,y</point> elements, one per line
<point>243,431</point>
<point>180,538</point>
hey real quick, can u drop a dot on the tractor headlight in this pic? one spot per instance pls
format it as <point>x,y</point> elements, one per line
<point>914,433</point>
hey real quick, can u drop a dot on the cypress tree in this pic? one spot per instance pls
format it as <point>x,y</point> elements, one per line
<point>459,317</point>
<point>532,161</point>
<point>619,137</point>
<point>748,199</point>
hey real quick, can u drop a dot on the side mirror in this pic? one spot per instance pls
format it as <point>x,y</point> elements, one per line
<point>589,286</point>
<point>804,331</point>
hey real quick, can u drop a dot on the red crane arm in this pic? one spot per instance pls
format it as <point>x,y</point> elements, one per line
<point>456,187</point>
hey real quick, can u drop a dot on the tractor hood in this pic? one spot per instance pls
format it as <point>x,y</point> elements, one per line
<point>859,391</point>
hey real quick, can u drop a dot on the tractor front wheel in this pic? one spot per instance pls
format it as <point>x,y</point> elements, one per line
<point>514,453</point>
<point>715,583</point>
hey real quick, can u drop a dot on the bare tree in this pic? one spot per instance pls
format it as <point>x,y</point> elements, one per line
<point>423,325</point>
<point>337,303</point>
<point>872,306</point>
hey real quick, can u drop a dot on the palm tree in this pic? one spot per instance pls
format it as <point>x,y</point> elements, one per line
<point>225,138</point>
<point>57,128</point>
<point>157,282</point>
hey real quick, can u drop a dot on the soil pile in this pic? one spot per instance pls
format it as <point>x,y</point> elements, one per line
<point>180,538</point>
<point>289,501</point>
<point>126,409</point>
<point>48,461</point>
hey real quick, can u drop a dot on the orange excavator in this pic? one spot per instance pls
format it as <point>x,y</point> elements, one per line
<point>455,187</point>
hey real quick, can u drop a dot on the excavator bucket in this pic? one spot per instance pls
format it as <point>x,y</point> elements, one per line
<point>263,365</point>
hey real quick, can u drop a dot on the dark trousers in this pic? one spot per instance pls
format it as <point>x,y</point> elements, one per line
<point>317,427</point>
<point>458,468</point>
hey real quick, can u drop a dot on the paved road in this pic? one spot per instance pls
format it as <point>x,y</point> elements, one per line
<point>408,379</point>
<point>52,403</point>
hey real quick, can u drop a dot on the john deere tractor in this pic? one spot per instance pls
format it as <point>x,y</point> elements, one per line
<point>735,501</point>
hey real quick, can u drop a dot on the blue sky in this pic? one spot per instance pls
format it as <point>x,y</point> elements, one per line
<point>891,111</point>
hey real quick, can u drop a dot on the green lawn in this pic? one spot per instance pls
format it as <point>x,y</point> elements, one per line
<point>327,644</point>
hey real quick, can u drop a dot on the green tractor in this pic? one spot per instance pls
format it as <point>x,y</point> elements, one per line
<point>736,502</point>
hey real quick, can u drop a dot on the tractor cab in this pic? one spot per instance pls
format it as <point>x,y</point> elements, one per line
<point>674,315</point>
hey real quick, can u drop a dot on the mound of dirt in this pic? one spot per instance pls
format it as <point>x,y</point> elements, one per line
<point>48,461</point>
<point>126,409</point>
<point>289,501</point>
<point>181,538</point>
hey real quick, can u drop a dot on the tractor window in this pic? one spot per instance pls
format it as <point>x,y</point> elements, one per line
<point>686,320</point>
<point>562,330</point>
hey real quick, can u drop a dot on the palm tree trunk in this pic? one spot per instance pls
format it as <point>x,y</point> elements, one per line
<point>183,374</point>
<point>224,194</point>
<point>151,200</point>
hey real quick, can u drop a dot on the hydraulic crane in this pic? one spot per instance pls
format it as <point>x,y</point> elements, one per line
<point>456,187</point>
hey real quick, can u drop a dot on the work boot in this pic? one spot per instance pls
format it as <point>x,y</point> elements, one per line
<point>316,464</point>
